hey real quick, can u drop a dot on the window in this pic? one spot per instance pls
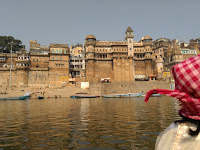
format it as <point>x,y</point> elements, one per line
<point>60,51</point>
<point>65,51</point>
<point>53,58</point>
<point>130,41</point>
<point>53,51</point>
<point>19,58</point>
<point>56,58</point>
<point>56,51</point>
<point>60,58</point>
<point>33,59</point>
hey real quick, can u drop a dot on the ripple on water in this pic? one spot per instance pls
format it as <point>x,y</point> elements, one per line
<point>97,124</point>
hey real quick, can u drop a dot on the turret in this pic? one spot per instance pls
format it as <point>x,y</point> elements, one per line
<point>90,42</point>
<point>129,38</point>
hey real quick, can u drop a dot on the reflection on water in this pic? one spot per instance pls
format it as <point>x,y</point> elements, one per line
<point>118,123</point>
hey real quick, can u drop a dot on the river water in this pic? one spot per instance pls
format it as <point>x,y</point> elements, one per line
<point>84,124</point>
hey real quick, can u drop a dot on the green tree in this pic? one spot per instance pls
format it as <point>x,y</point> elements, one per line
<point>5,44</point>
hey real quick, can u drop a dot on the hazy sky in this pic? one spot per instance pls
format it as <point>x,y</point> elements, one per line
<point>70,21</point>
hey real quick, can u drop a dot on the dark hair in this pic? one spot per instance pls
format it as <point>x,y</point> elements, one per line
<point>196,122</point>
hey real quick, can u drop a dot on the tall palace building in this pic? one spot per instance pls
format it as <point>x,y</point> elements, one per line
<point>118,61</point>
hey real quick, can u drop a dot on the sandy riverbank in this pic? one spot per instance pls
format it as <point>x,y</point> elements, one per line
<point>95,89</point>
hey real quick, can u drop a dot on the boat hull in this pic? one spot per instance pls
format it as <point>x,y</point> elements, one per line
<point>40,97</point>
<point>15,98</point>
<point>83,96</point>
<point>123,95</point>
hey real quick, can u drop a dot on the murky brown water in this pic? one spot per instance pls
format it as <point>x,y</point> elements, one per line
<point>119,123</point>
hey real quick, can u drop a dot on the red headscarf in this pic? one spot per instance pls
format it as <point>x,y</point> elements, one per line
<point>187,87</point>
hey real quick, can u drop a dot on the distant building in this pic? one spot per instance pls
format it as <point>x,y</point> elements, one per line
<point>42,66</point>
<point>160,48</point>
<point>195,44</point>
<point>95,61</point>
<point>119,61</point>
<point>59,65</point>
<point>39,66</point>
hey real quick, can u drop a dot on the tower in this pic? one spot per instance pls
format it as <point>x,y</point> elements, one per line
<point>129,38</point>
<point>90,42</point>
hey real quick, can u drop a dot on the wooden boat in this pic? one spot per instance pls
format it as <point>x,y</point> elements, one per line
<point>15,98</point>
<point>84,96</point>
<point>111,96</point>
<point>135,94</point>
<point>123,95</point>
<point>40,97</point>
<point>156,95</point>
<point>26,95</point>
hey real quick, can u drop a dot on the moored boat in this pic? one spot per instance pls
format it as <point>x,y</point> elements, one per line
<point>14,98</point>
<point>40,97</point>
<point>26,95</point>
<point>135,94</point>
<point>84,96</point>
<point>156,95</point>
<point>123,95</point>
<point>111,96</point>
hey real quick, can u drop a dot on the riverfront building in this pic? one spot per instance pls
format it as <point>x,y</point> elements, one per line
<point>95,61</point>
<point>118,61</point>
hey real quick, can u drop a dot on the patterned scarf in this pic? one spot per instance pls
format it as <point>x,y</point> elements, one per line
<point>187,87</point>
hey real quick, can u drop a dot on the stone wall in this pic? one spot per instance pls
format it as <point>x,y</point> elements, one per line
<point>148,67</point>
<point>38,78</point>
<point>123,69</point>
<point>139,67</point>
<point>127,87</point>
<point>103,69</point>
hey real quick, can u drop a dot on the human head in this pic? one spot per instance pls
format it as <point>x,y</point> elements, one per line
<point>187,87</point>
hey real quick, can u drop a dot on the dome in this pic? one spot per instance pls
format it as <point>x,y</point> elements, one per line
<point>90,37</point>
<point>146,38</point>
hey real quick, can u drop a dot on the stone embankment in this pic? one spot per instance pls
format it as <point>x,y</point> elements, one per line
<point>95,89</point>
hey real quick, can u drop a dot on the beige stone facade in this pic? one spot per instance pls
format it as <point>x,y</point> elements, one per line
<point>42,67</point>
<point>121,61</point>
<point>59,65</point>
<point>160,47</point>
<point>97,61</point>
